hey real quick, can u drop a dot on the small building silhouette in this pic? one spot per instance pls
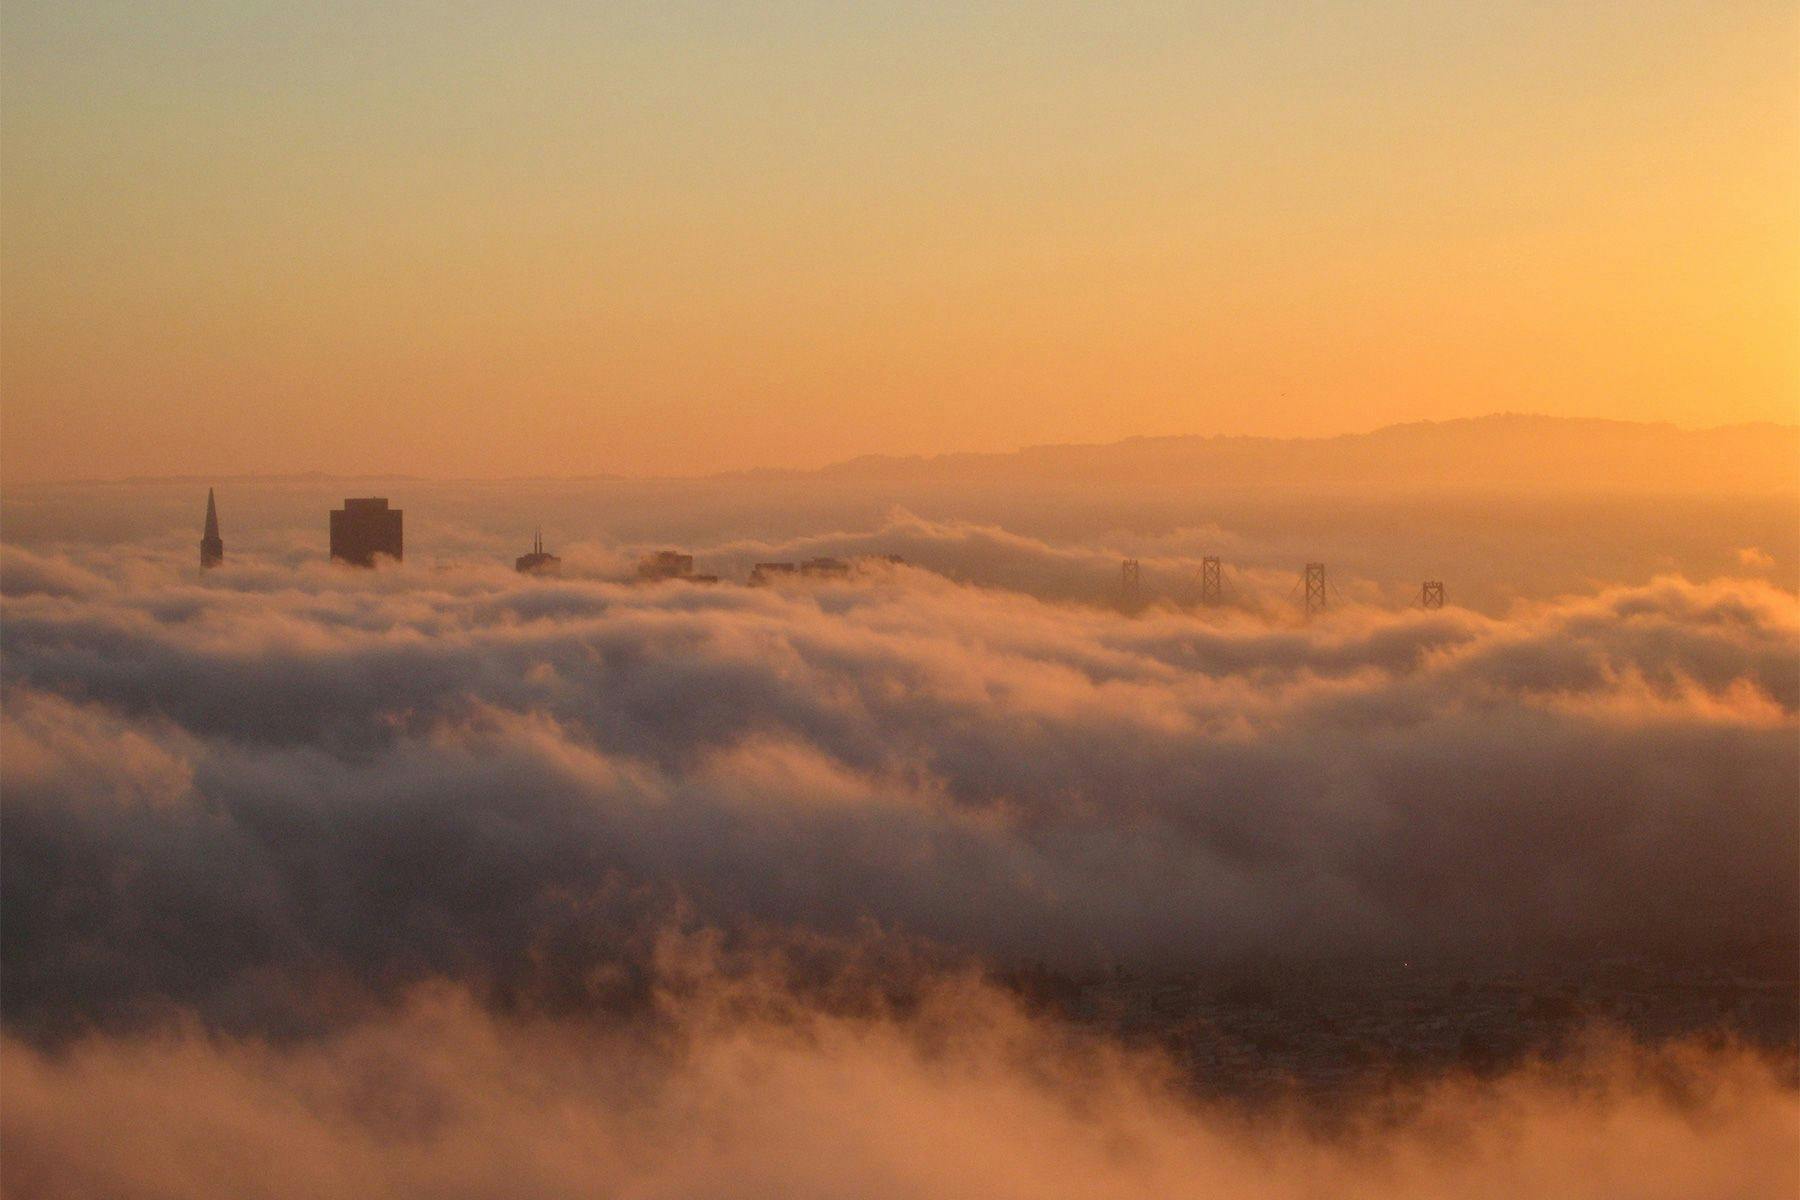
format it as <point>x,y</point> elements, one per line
<point>364,528</point>
<point>538,562</point>
<point>666,564</point>
<point>212,546</point>
<point>765,573</point>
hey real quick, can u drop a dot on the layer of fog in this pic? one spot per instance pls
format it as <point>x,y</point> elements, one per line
<point>214,789</point>
<point>319,882</point>
<point>737,1088</point>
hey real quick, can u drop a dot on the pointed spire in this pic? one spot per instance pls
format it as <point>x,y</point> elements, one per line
<point>212,547</point>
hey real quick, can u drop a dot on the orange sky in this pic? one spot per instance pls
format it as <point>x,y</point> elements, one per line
<point>269,237</point>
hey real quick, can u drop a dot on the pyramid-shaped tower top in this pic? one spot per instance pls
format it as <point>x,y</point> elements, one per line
<point>212,547</point>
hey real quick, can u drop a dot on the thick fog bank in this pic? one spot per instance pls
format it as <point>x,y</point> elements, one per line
<point>740,1090</point>
<point>282,773</point>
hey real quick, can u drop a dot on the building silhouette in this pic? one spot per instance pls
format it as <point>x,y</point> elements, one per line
<point>364,528</point>
<point>538,562</point>
<point>764,573</point>
<point>212,546</point>
<point>666,564</point>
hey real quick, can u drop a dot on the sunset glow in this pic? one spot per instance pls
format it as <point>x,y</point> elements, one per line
<point>713,601</point>
<point>650,238</point>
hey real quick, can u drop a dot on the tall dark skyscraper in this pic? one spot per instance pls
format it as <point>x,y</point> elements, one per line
<point>212,546</point>
<point>364,528</point>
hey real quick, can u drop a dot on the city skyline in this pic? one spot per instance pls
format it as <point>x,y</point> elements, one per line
<point>366,530</point>
<point>1026,601</point>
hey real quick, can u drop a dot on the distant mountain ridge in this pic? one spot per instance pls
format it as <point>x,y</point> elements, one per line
<point>1505,451</point>
<point>1502,452</point>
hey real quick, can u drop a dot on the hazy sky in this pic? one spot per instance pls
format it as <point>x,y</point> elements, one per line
<point>459,239</point>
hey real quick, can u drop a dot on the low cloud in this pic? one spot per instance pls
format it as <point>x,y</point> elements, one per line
<point>443,881</point>
<point>743,1090</point>
<point>418,773</point>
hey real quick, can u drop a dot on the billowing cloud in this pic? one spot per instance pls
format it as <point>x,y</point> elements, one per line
<point>740,1089</point>
<point>438,880</point>
<point>422,773</point>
